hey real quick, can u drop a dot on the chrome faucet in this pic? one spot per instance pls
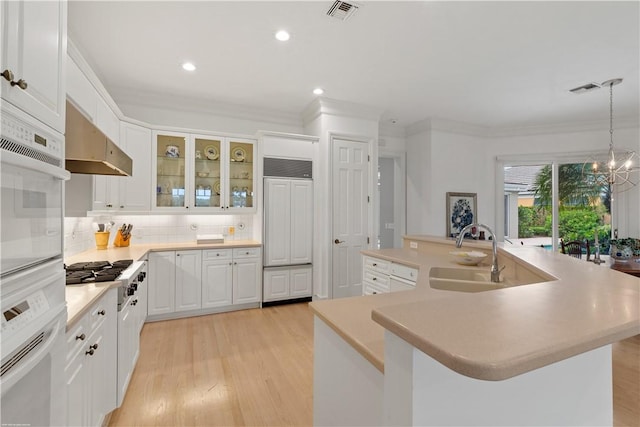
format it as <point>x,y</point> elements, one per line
<point>495,269</point>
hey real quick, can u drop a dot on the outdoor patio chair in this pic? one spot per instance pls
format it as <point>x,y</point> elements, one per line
<point>574,248</point>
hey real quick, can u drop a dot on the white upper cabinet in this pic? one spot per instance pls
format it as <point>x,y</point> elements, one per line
<point>108,122</point>
<point>203,173</point>
<point>134,190</point>
<point>34,42</point>
<point>80,91</point>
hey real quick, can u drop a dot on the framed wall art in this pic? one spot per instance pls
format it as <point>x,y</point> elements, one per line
<point>462,210</point>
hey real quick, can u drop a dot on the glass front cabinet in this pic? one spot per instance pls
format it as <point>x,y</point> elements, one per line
<point>203,173</point>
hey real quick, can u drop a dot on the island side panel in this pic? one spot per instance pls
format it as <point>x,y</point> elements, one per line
<point>574,391</point>
<point>347,388</point>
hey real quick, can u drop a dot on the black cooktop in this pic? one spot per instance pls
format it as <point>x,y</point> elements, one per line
<point>95,271</point>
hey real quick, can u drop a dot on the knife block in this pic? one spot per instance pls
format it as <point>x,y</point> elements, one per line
<point>120,241</point>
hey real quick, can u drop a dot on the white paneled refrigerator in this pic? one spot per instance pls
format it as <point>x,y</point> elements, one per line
<point>288,233</point>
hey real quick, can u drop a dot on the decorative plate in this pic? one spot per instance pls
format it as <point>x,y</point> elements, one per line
<point>239,154</point>
<point>216,187</point>
<point>211,152</point>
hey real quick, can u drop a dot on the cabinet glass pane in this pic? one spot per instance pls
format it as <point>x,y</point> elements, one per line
<point>207,173</point>
<point>240,175</point>
<point>170,171</point>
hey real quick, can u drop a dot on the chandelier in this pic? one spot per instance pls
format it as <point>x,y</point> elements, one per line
<point>618,167</point>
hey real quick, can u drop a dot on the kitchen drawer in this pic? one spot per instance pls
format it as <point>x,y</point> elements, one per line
<point>374,277</point>
<point>369,288</point>
<point>376,264</point>
<point>408,273</point>
<point>211,254</point>
<point>246,253</point>
<point>77,337</point>
<point>98,313</point>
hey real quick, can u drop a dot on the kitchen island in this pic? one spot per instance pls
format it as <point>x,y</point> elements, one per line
<point>508,348</point>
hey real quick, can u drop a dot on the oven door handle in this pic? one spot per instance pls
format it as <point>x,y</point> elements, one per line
<point>25,365</point>
<point>20,161</point>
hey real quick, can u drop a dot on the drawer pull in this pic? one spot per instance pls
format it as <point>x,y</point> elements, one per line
<point>375,293</point>
<point>90,352</point>
<point>375,264</point>
<point>375,278</point>
<point>102,312</point>
<point>80,337</point>
<point>95,346</point>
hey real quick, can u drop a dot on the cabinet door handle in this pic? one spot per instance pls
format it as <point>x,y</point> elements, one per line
<point>80,337</point>
<point>95,346</point>
<point>90,352</point>
<point>375,278</point>
<point>338,241</point>
<point>109,205</point>
<point>375,264</point>
<point>375,293</point>
<point>8,75</point>
<point>102,312</point>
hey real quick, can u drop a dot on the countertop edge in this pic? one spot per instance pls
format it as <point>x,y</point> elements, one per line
<point>501,370</point>
<point>74,316</point>
<point>356,344</point>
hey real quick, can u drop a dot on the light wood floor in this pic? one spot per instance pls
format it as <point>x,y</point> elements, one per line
<point>250,367</point>
<point>255,367</point>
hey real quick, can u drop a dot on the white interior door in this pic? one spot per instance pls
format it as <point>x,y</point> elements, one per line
<point>350,178</point>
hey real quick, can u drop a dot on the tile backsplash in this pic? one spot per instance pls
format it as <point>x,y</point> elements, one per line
<point>78,231</point>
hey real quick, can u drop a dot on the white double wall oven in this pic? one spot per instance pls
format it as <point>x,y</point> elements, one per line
<point>32,289</point>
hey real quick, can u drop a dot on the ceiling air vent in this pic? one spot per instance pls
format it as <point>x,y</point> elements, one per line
<point>585,88</point>
<point>342,10</point>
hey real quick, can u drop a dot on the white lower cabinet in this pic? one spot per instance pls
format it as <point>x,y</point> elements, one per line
<point>194,280</point>
<point>188,280</point>
<point>281,283</point>
<point>246,275</point>
<point>128,345</point>
<point>161,283</point>
<point>217,278</point>
<point>381,276</point>
<point>91,364</point>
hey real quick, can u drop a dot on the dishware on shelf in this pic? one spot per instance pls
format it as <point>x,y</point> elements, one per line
<point>239,154</point>
<point>203,174</point>
<point>216,187</point>
<point>198,154</point>
<point>245,175</point>
<point>468,257</point>
<point>172,151</point>
<point>211,152</point>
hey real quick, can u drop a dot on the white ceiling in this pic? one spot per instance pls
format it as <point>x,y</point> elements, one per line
<point>493,64</point>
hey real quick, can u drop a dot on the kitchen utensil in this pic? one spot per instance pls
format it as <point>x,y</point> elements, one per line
<point>101,228</point>
<point>109,225</point>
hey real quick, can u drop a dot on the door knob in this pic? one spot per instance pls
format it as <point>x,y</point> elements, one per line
<point>338,241</point>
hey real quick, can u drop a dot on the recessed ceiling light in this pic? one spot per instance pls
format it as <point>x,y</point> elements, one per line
<point>189,66</point>
<point>282,35</point>
<point>318,91</point>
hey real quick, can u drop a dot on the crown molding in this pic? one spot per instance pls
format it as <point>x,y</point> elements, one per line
<point>178,102</point>
<point>567,127</point>
<point>336,107</point>
<point>268,133</point>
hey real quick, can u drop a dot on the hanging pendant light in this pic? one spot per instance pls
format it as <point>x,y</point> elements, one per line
<point>619,168</point>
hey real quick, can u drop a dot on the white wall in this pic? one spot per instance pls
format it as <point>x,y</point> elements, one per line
<point>326,125</point>
<point>419,203</point>
<point>441,161</point>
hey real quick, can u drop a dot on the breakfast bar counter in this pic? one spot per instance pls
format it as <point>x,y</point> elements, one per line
<point>575,308</point>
